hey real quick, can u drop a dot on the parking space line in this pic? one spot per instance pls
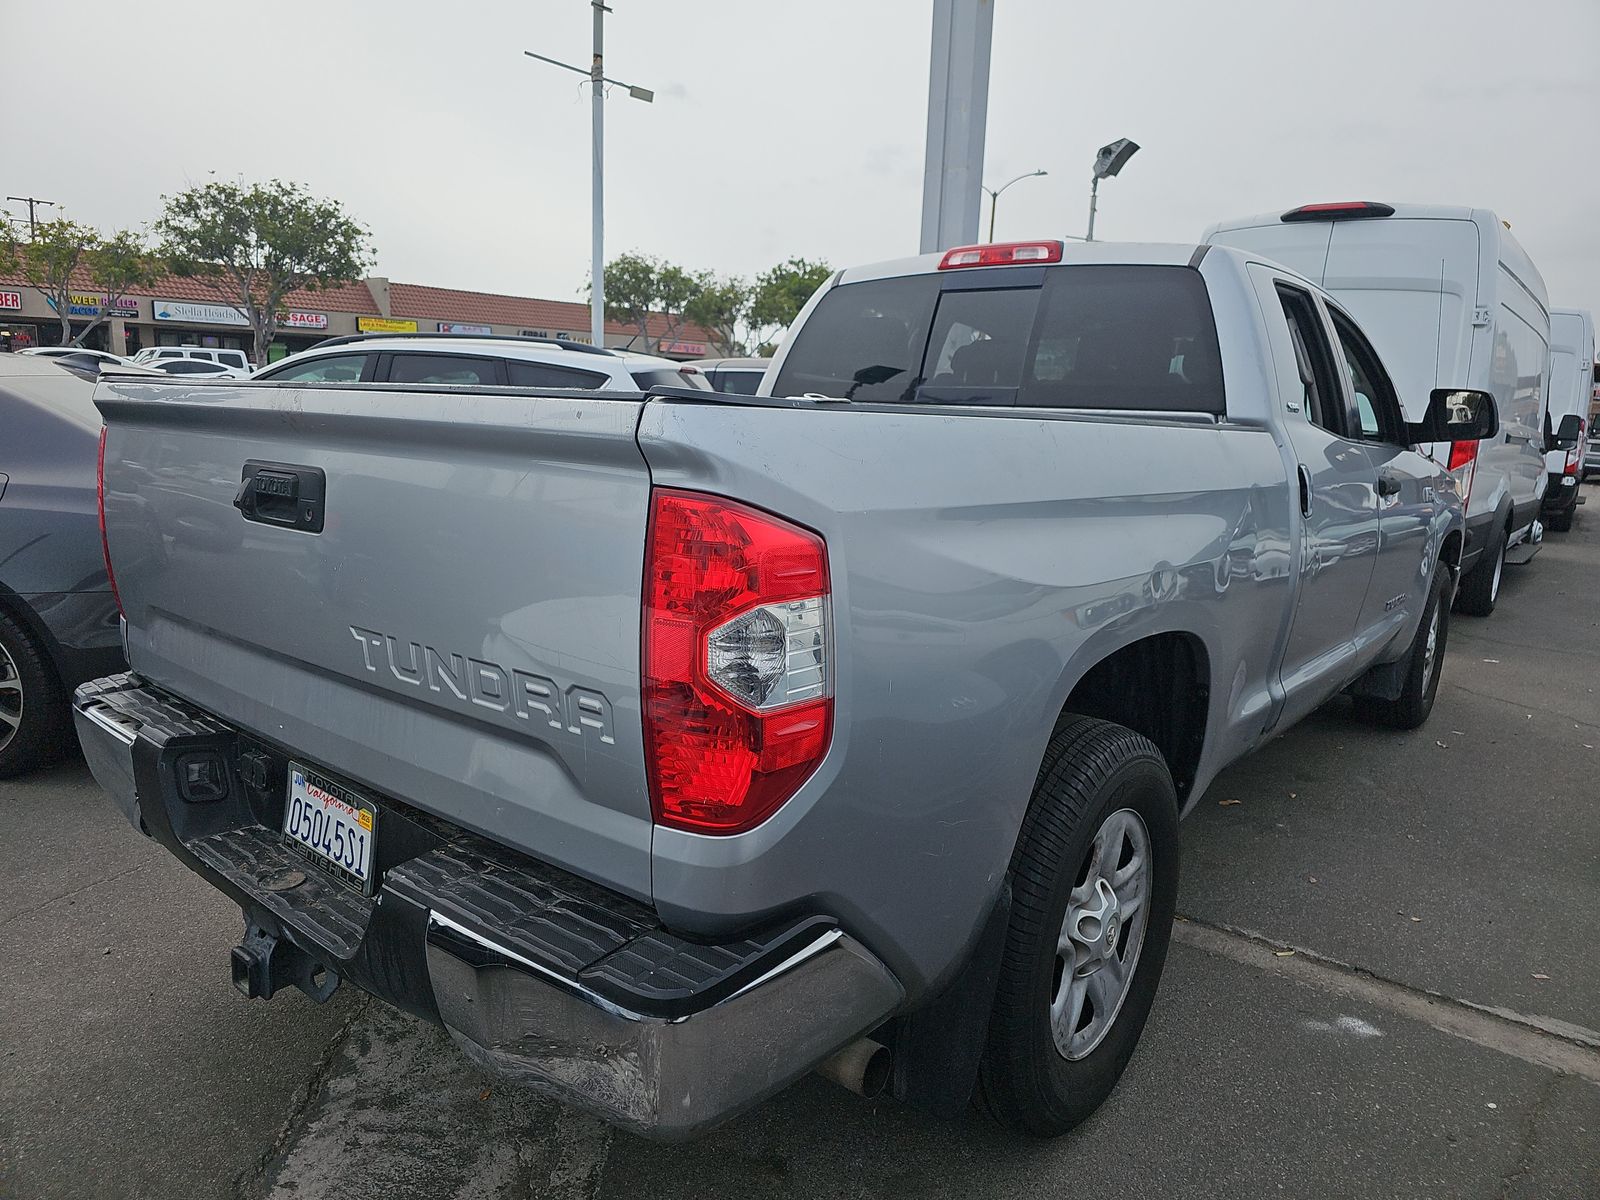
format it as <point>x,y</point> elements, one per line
<point>1555,1045</point>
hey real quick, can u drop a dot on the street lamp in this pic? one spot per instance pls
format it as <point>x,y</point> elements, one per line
<point>994,195</point>
<point>597,77</point>
<point>1111,159</point>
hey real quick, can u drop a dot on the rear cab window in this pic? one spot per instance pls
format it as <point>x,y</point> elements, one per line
<point>682,377</point>
<point>1085,336</point>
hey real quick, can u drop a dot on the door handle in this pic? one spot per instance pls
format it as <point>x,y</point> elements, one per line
<point>1388,485</point>
<point>1305,491</point>
<point>272,493</point>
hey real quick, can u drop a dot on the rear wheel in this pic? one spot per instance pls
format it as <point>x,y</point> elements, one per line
<point>1094,885</point>
<point>1423,666</point>
<point>33,711</point>
<point>1561,521</point>
<point>1481,587</point>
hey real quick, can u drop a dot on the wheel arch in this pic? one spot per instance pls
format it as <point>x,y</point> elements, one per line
<point>1158,685</point>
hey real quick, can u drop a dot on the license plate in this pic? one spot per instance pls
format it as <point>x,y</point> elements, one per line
<point>331,824</point>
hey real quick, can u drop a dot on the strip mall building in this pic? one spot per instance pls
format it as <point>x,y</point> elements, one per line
<point>186,312</point>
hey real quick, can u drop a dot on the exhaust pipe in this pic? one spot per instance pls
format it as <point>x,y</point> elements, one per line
<point>863,1067</point>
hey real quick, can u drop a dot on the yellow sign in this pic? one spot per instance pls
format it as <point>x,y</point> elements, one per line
<point>84,301</point>
<point>385,325</point>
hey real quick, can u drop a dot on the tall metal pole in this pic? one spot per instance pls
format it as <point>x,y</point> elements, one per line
<point>1094,197</point>
<point>958,109</point>
<point>597,261</point>
<point>32,202</point>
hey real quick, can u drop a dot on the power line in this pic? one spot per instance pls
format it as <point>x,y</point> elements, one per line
<point>32,202</point>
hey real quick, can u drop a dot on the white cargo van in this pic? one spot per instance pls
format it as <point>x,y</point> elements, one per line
<point>1450,300</point>
<point>1571,382</point>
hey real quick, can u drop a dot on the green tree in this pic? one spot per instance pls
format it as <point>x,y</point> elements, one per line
<point>780,293</point>
<point>639,287</point>
<point>631,284</point>
<point>721,307</point>
<point>115,265</point>
<point>49,261</point>
<point>255,243</point>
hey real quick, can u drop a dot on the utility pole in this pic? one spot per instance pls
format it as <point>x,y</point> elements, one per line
<point>32,202</point>
<point>597,216</point>
<point>958,109</point>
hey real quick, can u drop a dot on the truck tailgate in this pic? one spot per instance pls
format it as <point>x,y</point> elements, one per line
<point>463,631</point>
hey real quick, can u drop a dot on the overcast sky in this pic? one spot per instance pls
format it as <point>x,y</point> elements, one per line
<point>788,128</point>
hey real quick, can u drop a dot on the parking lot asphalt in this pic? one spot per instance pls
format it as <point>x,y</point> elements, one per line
<point>1432,1033</point>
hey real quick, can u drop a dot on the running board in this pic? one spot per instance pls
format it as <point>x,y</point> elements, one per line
<point>1525,545</point>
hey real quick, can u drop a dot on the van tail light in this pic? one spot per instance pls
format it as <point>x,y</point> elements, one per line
<point>738,689</point>
<point>100,504</point>
<point>1001,254</point>
<point>1575,455</point>
<point>1464,466</point>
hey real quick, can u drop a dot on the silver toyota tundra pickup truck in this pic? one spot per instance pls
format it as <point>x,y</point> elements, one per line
<point>667,746</point>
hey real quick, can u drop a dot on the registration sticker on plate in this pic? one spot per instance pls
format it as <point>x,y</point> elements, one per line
<point>334,826</point>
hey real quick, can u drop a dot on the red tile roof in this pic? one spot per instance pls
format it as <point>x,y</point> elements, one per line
<point>410,300</point>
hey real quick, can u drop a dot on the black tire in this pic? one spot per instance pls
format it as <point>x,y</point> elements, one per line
<point>1561,521</point>
<point>1411,708</point>
<point>1092,770</point>
<point>1480,589</point>
<point>34,721</point>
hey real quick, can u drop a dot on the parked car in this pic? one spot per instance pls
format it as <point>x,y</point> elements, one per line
<point>738,375</point>
<point>664,751</point>
<point>58,620</point>
<point>78,352</point>
<point>1449,298</point>
<point>503,361</point>
<point>1571,392</point>
<point>236,362</point>
<point>190,366</point>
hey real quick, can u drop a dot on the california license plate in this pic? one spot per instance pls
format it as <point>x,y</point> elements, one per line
<point>331,824</point>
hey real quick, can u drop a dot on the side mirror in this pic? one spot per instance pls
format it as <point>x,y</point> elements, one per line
<point>1456,415</point>
<point>1566,435</point>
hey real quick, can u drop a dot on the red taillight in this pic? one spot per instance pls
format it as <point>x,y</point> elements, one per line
<point>738,706</point>
<point>1575,455</point>
<point>1339,210</point>
<point>100,503</point>
<point>1001,254</point>
<point>1464,458</point>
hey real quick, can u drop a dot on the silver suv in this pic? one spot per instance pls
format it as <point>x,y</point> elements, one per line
<point>505,361</point>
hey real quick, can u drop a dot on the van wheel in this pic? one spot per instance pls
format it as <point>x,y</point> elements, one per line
<point>33,710</point>
<point>1424,665</point>
<point>1561,522</point>
<point>1481,587</point>
<point>1094,883</point>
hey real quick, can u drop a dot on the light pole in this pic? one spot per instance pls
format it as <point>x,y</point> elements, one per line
<point>994,195</point>
<point>1108,162</point>
<point>597,77</point>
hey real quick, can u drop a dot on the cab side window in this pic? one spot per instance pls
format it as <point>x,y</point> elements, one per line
<point>1323,396</point>
<point>1378,413</point>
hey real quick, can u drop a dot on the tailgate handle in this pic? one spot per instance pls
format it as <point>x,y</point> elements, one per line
<point>274,493</point>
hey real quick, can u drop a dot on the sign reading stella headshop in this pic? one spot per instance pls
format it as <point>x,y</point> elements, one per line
<point>202,314</point>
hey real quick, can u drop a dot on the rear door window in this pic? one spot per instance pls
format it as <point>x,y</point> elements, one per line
<point>543,375</point>
<point>453,369</point>
<point>1091,337</point>
<point>863,342</point>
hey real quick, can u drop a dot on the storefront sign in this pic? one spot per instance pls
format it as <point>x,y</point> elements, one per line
<point>385,325</point>
<point>305,320</point>
<point>203,314</point>
<point>122,306</point>
<point>470,330</point>
<point>574,337</point>
<point>10,299</point>
<point>538,333</point>
<point>83,306</point>
<point>697,349</point>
